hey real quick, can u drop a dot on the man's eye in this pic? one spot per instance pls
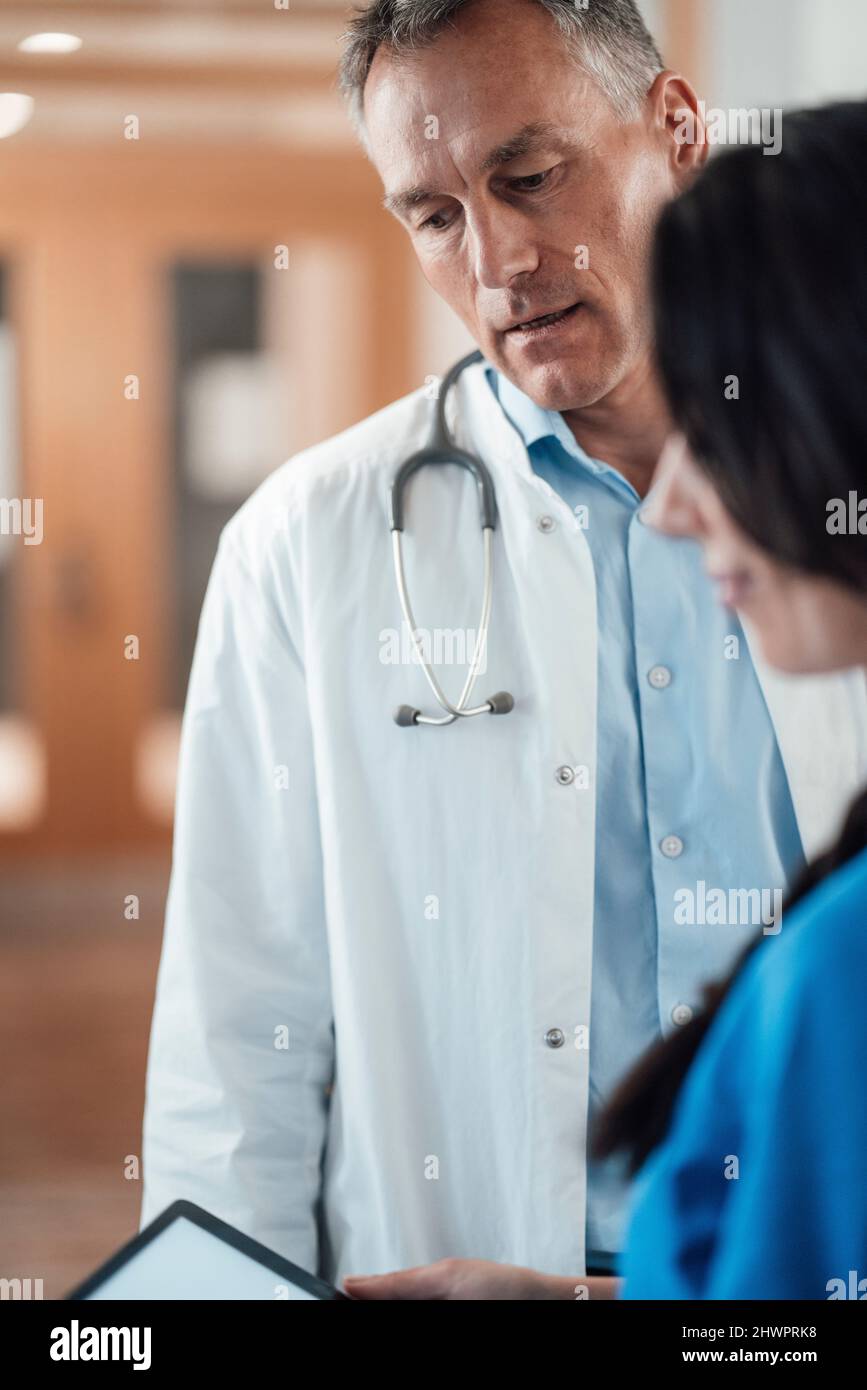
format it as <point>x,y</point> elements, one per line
<point>435,223</point>
<point>530,182</point>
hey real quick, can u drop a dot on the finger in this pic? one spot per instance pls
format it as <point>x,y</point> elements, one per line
<point>401,1284</point>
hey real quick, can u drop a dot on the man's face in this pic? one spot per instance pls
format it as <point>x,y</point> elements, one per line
<point>527,165</point>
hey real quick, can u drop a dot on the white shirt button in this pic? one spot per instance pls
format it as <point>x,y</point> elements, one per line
<point>546,523</point>
<point>659,677</point>
<point>565,776</point>
<point>555,1037</point>
<point>672,846</point>
<point>681,1014</point>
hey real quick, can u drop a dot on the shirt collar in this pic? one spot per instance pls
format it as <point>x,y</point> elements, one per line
<point>534,423</point>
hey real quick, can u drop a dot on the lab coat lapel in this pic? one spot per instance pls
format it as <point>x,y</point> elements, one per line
<point>479,422</point>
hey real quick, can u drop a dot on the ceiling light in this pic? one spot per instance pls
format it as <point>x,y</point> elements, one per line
<point>50,43</point>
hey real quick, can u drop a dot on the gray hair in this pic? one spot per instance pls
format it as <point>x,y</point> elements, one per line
<point>607,37</point>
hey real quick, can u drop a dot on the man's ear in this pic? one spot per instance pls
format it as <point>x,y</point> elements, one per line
<point>679,116</point>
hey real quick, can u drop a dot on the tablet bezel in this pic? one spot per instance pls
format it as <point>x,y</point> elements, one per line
<point>208,1222</point>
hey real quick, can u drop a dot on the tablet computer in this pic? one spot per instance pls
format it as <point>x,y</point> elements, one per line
<point>187,1253</point>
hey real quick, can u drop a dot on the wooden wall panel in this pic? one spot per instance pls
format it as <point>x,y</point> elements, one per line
<point>90,238</point>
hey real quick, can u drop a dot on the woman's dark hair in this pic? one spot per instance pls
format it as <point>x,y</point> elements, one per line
<point>760,274</point>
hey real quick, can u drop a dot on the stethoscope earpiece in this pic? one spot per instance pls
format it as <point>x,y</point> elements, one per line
<point>405,716</point>
<point>501,703</point>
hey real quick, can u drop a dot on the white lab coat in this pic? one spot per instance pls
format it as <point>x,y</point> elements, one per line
<point>370,929</point>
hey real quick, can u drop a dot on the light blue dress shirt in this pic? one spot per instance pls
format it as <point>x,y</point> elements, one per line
<point>691,791</point>
<point>759,1189</point>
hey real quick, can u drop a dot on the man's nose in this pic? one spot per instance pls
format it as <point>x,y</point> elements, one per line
<point>501,245</point>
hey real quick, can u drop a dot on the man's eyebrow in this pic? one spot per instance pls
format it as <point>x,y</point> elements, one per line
<point>526,141</point>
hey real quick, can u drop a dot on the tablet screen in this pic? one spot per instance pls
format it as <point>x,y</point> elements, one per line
<point>184,1261</point>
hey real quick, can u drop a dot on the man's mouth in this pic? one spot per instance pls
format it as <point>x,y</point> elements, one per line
<point>544,323</point>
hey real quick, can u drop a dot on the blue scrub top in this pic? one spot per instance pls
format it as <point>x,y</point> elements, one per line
<point>760,1189</point>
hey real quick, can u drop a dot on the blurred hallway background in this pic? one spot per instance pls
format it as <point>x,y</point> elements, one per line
<point>196,281</point>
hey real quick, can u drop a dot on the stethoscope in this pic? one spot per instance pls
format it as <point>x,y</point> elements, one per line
<point>441,448</point>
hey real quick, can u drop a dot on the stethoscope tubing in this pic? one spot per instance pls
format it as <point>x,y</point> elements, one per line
<point>441,449</point>
<point>453,711</point>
